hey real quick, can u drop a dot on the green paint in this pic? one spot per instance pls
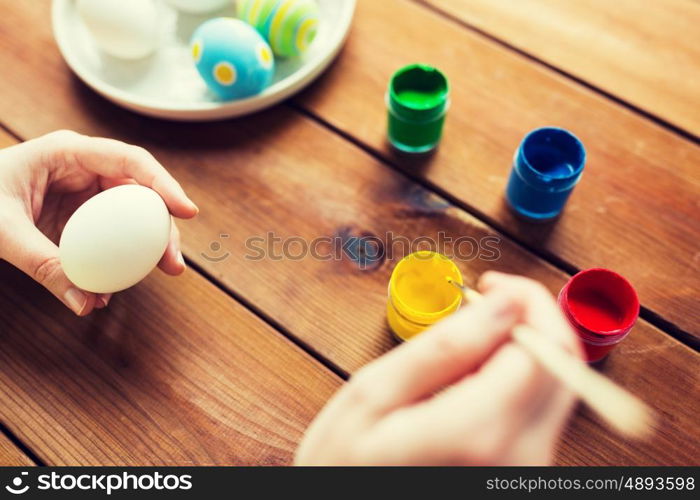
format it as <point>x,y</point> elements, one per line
<point>420,99</point>
<point>417,101</point>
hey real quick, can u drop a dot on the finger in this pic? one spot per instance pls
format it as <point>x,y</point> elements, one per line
<point>511,383</point>
<point>478,420</point>
<point>439,356</point>
<point>513,393</point>
<point>172,261</point>
<point>109,182</point>
<point>102,300</point>
<point>500,398</point>
<point>543,429</point>
<point>519,378</point>
<point>33,253</point>
<point>539,307</point>
<point>115,159</point>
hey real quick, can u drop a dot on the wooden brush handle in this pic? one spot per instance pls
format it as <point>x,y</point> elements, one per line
<point>623,411</point>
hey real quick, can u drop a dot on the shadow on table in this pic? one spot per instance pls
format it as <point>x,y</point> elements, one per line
<point>535,233</point>
<point>119,123</point>
<point>57,350</point>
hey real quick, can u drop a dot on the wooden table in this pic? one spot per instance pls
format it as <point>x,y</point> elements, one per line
<point>229,363</point>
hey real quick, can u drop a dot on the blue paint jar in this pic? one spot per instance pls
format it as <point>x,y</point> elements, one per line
<point>546,167</point>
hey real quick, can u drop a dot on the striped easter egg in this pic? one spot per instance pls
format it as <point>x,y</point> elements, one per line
<point>289,26</point>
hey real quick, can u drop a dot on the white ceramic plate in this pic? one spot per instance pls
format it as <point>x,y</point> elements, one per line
<point>167,85</point>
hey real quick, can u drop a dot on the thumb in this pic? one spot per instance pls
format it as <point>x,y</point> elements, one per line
<point>32,252</point>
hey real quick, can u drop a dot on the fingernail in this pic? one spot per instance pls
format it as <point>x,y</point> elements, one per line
<point>194,206</point>
<point>76,300</point>
<point>181,259</point>
<point>105,299</point>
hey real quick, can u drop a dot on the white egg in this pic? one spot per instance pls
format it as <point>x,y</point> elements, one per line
<point>122,28</point>
<point>199,6</point>
<point>115,239</point>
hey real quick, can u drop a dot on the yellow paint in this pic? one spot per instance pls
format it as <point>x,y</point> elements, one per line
<point>419,294</point>
<point>225,73</point>
<point>196,51</point>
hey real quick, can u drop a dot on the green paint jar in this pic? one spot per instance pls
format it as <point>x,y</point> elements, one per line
<point>417,100</point>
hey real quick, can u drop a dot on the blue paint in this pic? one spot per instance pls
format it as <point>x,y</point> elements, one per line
<point>547,166</point>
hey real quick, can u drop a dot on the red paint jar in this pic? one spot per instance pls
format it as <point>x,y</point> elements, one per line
<point>602,307</point>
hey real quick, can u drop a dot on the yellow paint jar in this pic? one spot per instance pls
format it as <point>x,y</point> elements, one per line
<point>419,293</point>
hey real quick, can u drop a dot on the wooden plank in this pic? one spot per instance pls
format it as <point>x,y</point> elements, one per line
<point>176,373</point>
<point>6,139</point>
<point>636,208</point>
<point>646,54</point>
<point>278,171</point>
<point>654,368</point>
<point>11,456</point>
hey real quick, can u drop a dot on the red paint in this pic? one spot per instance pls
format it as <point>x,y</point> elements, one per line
<point>595,311</point>
<point>602,307</point>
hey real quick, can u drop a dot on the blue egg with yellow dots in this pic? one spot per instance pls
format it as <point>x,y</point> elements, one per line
<point>232,57</point>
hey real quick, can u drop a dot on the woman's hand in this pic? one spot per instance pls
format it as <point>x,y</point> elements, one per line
<point>459,394</point>
<point>43,181</point>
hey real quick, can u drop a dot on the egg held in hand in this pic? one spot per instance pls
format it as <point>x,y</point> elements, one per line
<point>127,29</point>
<point>289,26</point>
<point>115,239</point>
<point>233,59</point>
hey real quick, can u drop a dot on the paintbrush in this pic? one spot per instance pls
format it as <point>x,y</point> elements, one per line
<point>623,411</point>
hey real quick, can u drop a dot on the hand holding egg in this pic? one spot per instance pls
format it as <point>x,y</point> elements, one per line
<point>113,240</point>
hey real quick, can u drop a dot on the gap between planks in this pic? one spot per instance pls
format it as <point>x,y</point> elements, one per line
<point>21,446</point>
<point>578,80</point>
<point>308,349</point>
